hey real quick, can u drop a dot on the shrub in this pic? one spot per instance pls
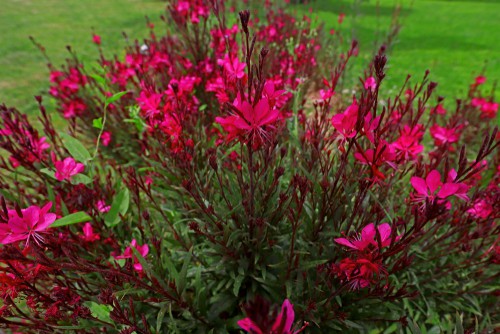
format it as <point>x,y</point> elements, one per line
<point>216,173</point>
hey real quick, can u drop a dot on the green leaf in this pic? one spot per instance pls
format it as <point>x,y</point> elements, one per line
<point>97,123</point>
<point>159,318</point>
<point>118,207</point>
<point>80,178</point>
<point>414,327</point>
<point>100,311</point>
<point>74,218</point>
<point>352,324</point>
<point>202,107</point>
<point>48,172</point>
<point>115,97</point>
<point>237,284</point>
<point>182,278</point>
<point>459,328</point>
<point>98,79</point>
<point>75,148</point>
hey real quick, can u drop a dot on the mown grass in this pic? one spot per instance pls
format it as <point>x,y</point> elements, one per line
<point>454,39</point>
<point>56,24</point>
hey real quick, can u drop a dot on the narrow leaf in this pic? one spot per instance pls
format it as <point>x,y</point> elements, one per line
<point>75,148</point>
<point>118,207</point>
<point>74,218</point>
<point>115,97</point>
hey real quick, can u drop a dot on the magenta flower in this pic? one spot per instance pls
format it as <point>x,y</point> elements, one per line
<point>368,237</point>
<point>127,254</point>
<point>88,233</point>
<point>432,188</point>
<point>250,120</point>
<point>96,39</point>
<point>282,325</point>
<point>234,69</point>
<point>444,135</point>
<point>149,101</point>
<point>106,138</point>
<point>462,187</point>
<point>489,109</point>
<point>28,226</point>
<point>66,168</point>
<point>370,84</point>
<point>408,146</point>
<point>102,207</point>
<point>480,79</point>
<point>360,273</point>
<point>480,209</point>
<point>345,122</point>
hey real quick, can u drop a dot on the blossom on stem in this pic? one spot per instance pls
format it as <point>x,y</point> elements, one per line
<point>360,273</point>
<point>234,69</point>
<point>249,121</point>
<point>128,253</point>
<point>282,325</point>
<point>370,84</point>
<point>345,122</point>
<point>443,135</point>
<point>88,233</point>
<point>27,224</point>
<point>67,168</point>
<point>432,188</point>
<point>368,237</point>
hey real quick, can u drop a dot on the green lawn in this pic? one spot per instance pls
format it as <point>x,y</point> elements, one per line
<point>55,24</point>
<point>454,39</point>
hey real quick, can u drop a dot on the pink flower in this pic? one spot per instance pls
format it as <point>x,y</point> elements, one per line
<point>341,18</point>
<point>275,97</point>
<point>370,84</point>
<point>444,135</point>
<point>477,102</point>
<point>73,108</point>
<point>249,120</point>
<point>29,225</point>
<point>369,237</point>
<point>88,233</point>
<point>433,189</point>
<point>96,39</point>
<point>480,79</point>
<point>462,187</point>
<point>128,253</point>
<point>384,154</point>
<point>106,138</point>
<point>489,109</point>
<point>407,146</point>
<point>439,110</point>
<point>234,69</point>
<point>360,272</point>
<point>149,101</point>
<point>480,209</point>
<point>345,122</point>
<point>102,207</point>
<point>282,325</point>
<point>66,168</point>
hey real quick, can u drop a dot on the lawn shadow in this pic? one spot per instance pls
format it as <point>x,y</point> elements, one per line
<point>439,42</point>
<point>368,8</point>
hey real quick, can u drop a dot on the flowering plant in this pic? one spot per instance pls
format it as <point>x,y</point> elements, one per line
<point>200,182</point>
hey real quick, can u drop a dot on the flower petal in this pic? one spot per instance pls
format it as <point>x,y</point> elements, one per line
<point>345,242</point>
<point>447,190</point>
<point>248,325</point>
<point>433,181</point>
<point>419,185</point>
